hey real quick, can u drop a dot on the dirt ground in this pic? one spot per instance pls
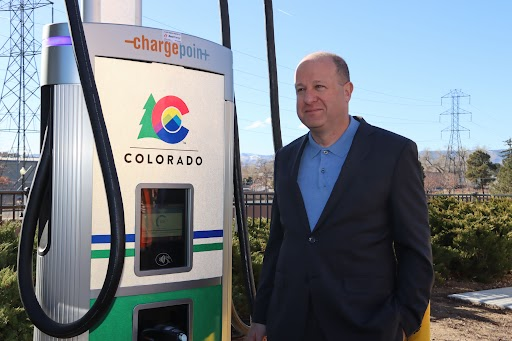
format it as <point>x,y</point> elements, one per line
<point>453,320</point>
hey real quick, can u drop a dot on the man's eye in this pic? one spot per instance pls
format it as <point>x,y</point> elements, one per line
<point>299,90</point>
<point>319,87</point>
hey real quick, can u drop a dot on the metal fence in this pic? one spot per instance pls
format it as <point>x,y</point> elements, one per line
<point>11,205</point>
<point>471,197</point>
<point>257,204</point>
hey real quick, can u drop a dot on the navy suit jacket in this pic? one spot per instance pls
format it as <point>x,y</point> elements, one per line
<point>366,269</point>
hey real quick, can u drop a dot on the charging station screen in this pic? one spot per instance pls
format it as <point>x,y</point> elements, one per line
<point>163,228</point>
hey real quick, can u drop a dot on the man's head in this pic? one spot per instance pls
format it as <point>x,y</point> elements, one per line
<point>323,87</point>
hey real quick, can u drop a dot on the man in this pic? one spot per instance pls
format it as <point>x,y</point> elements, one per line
<point>349,255</point>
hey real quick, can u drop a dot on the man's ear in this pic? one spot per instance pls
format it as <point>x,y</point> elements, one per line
<point>347,90</point>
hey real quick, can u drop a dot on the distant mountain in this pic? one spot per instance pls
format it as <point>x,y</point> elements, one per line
<point>494,154</point>
<point>251,159</point>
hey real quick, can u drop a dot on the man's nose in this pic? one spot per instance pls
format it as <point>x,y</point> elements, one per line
<point>309,97</point>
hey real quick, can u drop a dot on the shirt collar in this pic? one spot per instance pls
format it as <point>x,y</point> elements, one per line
<point>339,148</point>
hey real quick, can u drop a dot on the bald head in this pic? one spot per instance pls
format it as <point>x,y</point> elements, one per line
<point>323,93</point>
<point>341,65</point>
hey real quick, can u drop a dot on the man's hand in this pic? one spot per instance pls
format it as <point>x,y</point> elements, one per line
<point>257,332</point>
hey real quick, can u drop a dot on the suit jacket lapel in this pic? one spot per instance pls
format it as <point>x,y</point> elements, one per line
<point>360,148</point>
<point>296,193</point>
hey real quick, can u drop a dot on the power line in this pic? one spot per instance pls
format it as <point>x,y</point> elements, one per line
<point>361,99</point>
<point>237,51</point>
<point>384,94</point>
<point>358,88</point>
<point>395,118</point>
<point>259,76</point>
<point>293,69</point>
<point>284,127</point>
<point>238,100</point>
<point>351,112</point>
<point>264,91</point>
<point>394,103</point>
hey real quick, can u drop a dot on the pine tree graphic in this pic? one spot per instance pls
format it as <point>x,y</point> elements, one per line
<point>146,129</point>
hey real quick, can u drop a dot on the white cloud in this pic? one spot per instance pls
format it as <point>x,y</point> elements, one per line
<point>259,124</point>
<point>256,124</point>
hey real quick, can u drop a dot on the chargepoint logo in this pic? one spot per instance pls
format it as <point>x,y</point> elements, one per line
<point>163,119</point>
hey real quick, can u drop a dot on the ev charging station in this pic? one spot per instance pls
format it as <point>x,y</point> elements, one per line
<point>167,99</point>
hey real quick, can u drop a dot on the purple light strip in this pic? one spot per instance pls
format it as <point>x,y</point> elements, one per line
<point>57,41</point>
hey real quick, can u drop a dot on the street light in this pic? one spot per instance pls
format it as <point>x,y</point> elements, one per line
<point>23,171</point>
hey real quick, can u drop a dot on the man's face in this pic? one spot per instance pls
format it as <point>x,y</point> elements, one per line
<point>322,97</point>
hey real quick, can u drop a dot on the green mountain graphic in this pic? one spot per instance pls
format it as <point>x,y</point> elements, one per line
<point>146,129</point>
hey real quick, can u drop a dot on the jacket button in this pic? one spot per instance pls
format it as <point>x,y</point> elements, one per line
<point>312,240</point>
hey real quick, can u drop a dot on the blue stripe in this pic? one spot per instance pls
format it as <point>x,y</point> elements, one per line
<point>208,234</point>
<point>105,238</point>
<point>130,238</point>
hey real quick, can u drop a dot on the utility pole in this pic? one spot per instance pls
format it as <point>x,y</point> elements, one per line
<point>20,98</point>
<point>455,162</point>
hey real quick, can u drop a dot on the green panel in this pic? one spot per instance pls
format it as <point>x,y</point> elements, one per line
<point>206,308</point>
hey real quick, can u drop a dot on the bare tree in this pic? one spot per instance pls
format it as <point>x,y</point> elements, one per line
<point>434,182</point>
<point>265,175</point>
<point>433,161</point>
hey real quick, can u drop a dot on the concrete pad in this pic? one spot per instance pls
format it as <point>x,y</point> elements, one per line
<point>495,297</point>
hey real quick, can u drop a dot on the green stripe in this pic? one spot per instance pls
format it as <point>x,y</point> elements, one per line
<point>207,247</point>
<point>106,253</point>
<point>131,252</point>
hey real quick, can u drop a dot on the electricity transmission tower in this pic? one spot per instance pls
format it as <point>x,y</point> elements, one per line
<point>455,162</point>
<point>20,98</point>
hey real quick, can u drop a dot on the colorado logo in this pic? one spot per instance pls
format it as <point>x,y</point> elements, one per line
<point>163,119</point>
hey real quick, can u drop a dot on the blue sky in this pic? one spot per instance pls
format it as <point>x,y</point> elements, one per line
<point>403,57</point>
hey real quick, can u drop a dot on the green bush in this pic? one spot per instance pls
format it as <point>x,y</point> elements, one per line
<point>258,236</point>
<point>471,240</point>
<point>8,244</point>
<point>14,323</point>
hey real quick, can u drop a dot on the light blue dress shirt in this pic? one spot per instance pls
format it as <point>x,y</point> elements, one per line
<point>319,169</point>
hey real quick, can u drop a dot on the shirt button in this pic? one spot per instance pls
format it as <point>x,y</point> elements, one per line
<point>312,240</point>
<point>326,152</point>
<point>322,170</point>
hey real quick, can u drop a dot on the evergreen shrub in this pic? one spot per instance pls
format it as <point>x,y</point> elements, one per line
<point>14,323</point>
<point>471,240</point>
<point>258,235</point>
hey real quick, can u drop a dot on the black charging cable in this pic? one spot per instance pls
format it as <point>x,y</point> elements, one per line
<point>115,204</point>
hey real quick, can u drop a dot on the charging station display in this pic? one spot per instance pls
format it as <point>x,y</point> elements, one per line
<point>163,229</point>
